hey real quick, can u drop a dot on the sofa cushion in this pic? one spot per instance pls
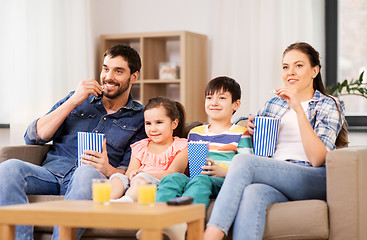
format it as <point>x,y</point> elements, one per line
<point>293,220</point>
<point>297,220</point>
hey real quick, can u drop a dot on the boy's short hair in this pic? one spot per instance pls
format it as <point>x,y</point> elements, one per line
<point>225,84</point>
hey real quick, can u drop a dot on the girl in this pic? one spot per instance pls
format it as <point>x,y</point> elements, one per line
<point>162,153</point>
<point>310,124</point>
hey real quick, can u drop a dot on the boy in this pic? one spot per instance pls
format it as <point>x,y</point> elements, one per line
<point>222,99</point>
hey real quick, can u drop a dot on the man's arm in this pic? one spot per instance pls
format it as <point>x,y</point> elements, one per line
<point>48,124</point>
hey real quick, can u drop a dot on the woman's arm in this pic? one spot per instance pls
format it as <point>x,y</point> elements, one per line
<point>314,148</point>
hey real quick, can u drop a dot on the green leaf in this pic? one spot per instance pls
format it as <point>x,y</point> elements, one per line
<point>361,77</point>
<point>344,83</point>
<point>348,89</point>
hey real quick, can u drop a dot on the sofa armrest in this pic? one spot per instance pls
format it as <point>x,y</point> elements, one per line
<point>31,153</point>
<point>347,193</point>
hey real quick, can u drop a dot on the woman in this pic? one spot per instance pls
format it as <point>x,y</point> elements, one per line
<point>310,125</point>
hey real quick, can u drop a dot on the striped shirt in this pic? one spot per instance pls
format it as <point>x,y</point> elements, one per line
<point>223,146</point>
<point>322,113</point>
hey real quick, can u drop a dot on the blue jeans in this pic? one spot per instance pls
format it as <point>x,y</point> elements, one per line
<point>253,183</point>
<point>19,178</point>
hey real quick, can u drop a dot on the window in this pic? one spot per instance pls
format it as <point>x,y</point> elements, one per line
<point>346,53</point>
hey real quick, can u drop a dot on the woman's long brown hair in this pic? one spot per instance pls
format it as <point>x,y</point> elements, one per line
<point>313,55</point>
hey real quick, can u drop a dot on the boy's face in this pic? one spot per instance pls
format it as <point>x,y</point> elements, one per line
<point>219,106</point>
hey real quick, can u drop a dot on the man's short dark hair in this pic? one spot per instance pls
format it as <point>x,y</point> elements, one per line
<point>129,54</point>
<point>225,84</point>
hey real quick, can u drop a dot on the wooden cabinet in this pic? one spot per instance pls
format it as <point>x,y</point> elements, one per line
<point>185,49</point>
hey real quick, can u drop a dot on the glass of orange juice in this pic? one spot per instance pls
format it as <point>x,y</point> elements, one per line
<point>101,189</point>
<point>146,193</point>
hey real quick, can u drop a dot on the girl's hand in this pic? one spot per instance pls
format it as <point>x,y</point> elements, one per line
<point>213,169</point>
<point>133,173</point>
<point>290,95</point>
<point>98,160</point>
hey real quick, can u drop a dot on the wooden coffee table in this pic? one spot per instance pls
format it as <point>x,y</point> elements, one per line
<point>70,214</point>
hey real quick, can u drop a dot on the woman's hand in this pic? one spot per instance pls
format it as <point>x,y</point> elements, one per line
<point>249,124</point>
<point>291,96</point>
<point>213,169</point>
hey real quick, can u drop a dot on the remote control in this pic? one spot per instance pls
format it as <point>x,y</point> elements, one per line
<point>180,201</point>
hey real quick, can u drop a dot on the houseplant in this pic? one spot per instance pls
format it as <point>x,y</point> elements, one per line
<point>352,87</point>
<point>356,123</point>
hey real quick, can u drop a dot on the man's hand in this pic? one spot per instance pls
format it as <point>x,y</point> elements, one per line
<point>98,160</point>
<point>214,169</point>
<point>84,89</point>
<point>48,124</point>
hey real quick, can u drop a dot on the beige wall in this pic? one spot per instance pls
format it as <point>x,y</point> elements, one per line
<point>4,136</point>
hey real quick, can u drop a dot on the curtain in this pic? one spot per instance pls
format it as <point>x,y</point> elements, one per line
<point>249,37</point>
<point>50,51</point>
<point>49,45</point>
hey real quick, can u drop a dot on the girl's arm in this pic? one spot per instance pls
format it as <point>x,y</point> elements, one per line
<point>178,164</point>
<point>134,165</point>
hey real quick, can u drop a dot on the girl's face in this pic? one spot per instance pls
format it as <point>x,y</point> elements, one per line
<point>158,126</point>
<point>298,73</point>
<point>219,106</point>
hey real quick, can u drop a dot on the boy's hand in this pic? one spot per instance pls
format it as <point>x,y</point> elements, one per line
<point>214,170</point>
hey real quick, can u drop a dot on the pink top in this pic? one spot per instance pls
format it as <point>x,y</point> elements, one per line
<point>151,162</point>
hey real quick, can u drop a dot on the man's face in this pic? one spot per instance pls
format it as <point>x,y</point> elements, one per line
<point>115,77</point>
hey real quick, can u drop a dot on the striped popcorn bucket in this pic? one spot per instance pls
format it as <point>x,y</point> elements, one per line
<point>265,135</point>
<point>198,152</point>
<point>89,141</point>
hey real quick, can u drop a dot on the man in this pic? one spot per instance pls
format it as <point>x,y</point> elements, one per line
<point>107,109</point>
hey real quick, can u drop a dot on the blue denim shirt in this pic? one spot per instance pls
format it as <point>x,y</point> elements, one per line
<point>121,129</point>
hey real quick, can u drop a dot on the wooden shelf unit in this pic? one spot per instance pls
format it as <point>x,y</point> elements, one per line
<point>188,50</point>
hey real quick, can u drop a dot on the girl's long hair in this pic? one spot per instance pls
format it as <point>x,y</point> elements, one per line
<point>174,110</point>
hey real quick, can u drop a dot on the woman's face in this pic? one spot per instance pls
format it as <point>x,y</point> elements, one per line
<point>298,73</point>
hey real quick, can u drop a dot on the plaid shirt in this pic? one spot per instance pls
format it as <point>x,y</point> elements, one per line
<point>322,113</point>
